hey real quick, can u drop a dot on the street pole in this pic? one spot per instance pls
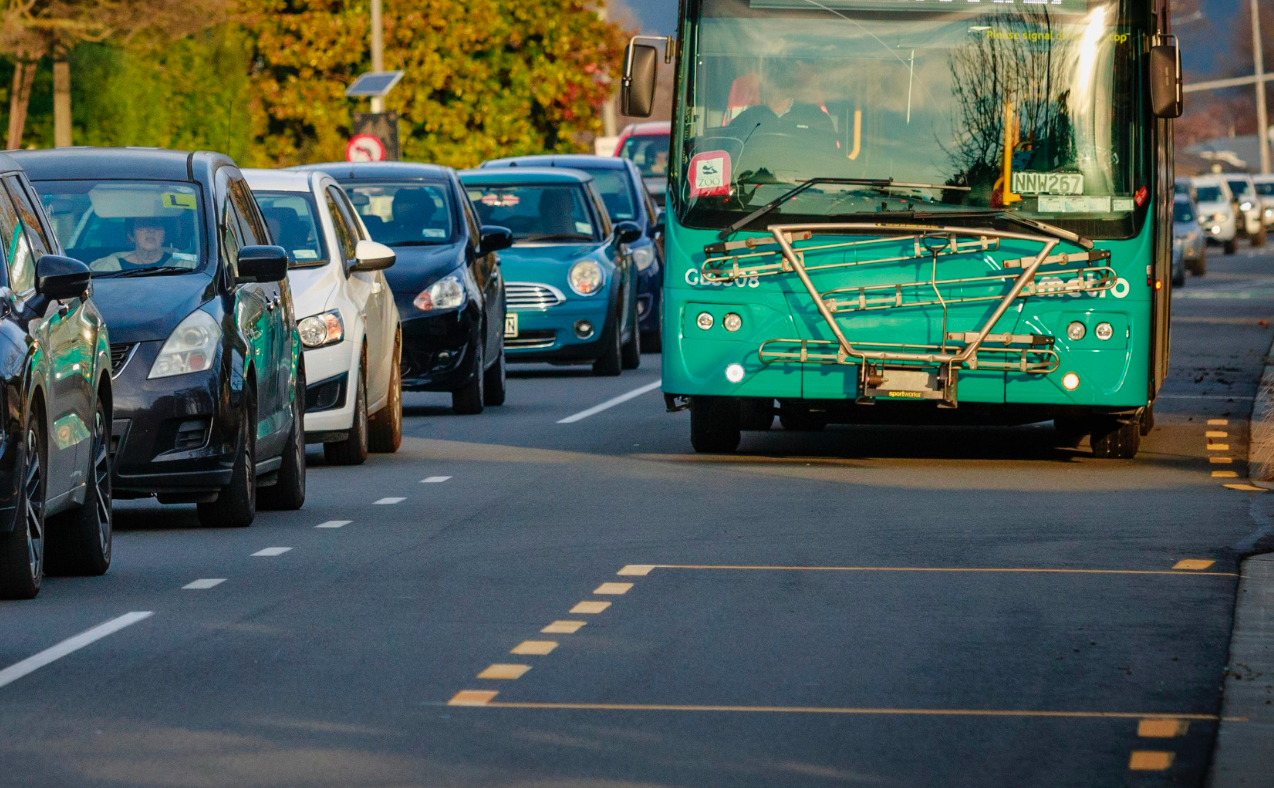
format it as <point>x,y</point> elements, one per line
<point>608,106</point>
<point>1262,122</point>
<point>378,49</point>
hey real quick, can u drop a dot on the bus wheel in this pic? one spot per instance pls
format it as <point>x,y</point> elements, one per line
<point>1113,439</point>
<point>756,415</point>
<point>1147,420</point>
<point>714,425</point>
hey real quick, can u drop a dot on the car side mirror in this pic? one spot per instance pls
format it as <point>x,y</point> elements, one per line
<point>61,278</point>
<point>493,238</point>
<point>1166,95</point>
<point>371,256</point>
<point>262,264</point>
<point>641,72</point>
<point>627,232</point>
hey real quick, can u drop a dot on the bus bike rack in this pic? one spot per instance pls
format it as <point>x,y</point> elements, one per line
<point>913,371</point>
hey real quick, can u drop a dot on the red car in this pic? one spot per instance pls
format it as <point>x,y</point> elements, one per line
<point>646,145</point>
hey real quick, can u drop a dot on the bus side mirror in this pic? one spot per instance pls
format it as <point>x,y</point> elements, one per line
<point>637,95</point>
<point>1165,80</point>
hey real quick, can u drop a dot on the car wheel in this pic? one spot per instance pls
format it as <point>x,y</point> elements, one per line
<point>1259,238</point>
<point>1113,439</point>
<point>288,491</point>
<point>630,353</point>
<point>353,450</point>
<point>385,428</point>
<point>1179,279</point>
<point>1201,267</point>
<point>236,504</point>
<point>496,385</point>
<point>1231,246</point>
<point>22,549</point>
<point>714,425</point>
<point>467,401</point>
<point>610,363</point>
<point>652,342</point>
<point>82,537</point>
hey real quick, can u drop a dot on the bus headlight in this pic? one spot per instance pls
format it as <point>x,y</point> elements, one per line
<point>1070,381</point>
<point>704,321</point>
<point>1104,331</point>
<point>734,373</point>
<point>732,322</point>
<point>1076,331</point>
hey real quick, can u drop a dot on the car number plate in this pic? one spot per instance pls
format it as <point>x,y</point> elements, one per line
<point>908,384</point>
<point>510,325</point>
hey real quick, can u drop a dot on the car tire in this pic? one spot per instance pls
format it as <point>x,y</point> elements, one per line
<point>1113,439</point>
<point>794,420</point>
<point>467,401</point>
<point>236,504</point>
<point>385,427</point>
<point>652,342</point>
<point>353,450</point>
<point>611,362</point>
<point>287,494</point>
<point>630,352</point>
<point>1179,280</point>
<point>1259,238</point>
<point>1199,267</point>
<point>82,536</point>
<point>495,387</point>
<point>1231,246</point>
<point>22,549</point>
<point>714,425</point>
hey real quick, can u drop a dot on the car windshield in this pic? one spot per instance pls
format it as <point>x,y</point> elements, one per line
<point>1025,107</point>
<point>1208,194</point>
<point>127,227</point>
<point>1181,211</point>
<point>1265,188</point>
<point>649,152</point>
<point>405,213</point>
<point>617,193</point>
<point>536,212</point>
<point>1240,188</point>
<point>293,221</point>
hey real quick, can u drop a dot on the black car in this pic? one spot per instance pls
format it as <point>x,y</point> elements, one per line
<point>446,281</point>
<point>55,471</point>
<point>627,200</point>
<point>207,361</point>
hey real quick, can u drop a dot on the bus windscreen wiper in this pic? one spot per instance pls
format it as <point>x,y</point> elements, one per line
<point>878,183</point>
<point>1009,216</point>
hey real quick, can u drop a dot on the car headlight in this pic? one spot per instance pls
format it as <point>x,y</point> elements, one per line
<point>644,257</point>
<point>191,347</point>
<point>586,277</point>
<point>320,330</point>
<point>1245,206</point>
<point>446,293</point>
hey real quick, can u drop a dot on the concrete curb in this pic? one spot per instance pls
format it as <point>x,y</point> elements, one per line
<point>1260,455</point>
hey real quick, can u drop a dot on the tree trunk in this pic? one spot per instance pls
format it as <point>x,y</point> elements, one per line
<point>61,97</point>
<point>19,99</point>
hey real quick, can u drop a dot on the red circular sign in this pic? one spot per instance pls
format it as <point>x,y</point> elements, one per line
<point>365,147</point>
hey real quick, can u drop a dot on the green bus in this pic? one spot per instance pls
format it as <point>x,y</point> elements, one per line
<point>917,211</point>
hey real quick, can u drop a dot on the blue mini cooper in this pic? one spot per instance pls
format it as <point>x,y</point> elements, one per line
<point>570,280</point>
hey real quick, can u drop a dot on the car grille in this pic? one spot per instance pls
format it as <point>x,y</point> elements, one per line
<point>530,340</point>
<point>121,352</point>
<point>528,295</point>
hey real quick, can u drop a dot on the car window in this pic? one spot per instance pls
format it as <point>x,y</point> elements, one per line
<point>12,238</point>
<point>293,221</point>
<point>1239,187</point>
<point>603,215</point>
<point>344,236</point>
<point>1208,194</point>
<point>1265,188</point>
<point>31,244</point>
<point>475,229</point>
<point>1181,211</point>
<point>404,213</point>
<point>649,152</point>
<point>121,226</point>
<point>350,213</point>
<point>536,212</point>
<point>616,189</point>
<point>231,236</point>
<point>251,226</point>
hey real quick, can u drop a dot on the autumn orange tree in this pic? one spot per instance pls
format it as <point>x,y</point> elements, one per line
<point>483,77</point>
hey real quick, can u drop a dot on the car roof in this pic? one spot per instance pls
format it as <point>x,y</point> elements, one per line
<point>282,180</point>
<point>352,171</point>
<point>573,160</point>
<point>7,164</point>
<point>524,175</point>
<point>86,163</point>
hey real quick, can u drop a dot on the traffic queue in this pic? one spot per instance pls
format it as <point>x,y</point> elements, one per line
<point>178,329</point>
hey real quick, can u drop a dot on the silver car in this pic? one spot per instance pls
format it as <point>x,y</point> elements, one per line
<point>1265,189</point>
<point>1250,207</point>
<point>1189,235</point>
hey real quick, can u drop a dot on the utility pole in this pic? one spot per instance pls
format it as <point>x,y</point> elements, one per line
<point>608,106</point>
<point>378,50</point>
<point>1262,122</point>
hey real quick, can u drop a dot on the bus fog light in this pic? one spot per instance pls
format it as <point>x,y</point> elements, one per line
<point>1104,331</point>
<point>734,373</point>
<point>1076,331</point>
<point>704,321</point>
<point>1070,381</point>
<point>583,329</point>
<point>732,322</point>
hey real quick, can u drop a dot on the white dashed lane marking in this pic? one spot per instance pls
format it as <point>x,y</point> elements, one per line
<point>387,501</point>
<point>434,479</point>
<point>204,584</point>
<point>334,524</point>
<point>270,552</point>
<point>70,646</point>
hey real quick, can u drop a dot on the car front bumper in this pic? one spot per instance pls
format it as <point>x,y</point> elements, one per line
<point>550,334</point>
<point>438,350</point>
<point>329,408</point>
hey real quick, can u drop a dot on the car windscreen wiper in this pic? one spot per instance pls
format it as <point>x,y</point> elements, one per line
<point>1009,216</point>
<point>557,237</point>
<point>416,243</point>
<point>877,183</point>
<point>158,270</point>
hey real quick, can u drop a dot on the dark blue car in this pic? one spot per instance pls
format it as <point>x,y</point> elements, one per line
<point>627,200</point>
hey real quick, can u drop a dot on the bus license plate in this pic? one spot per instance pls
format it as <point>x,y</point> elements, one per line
<point>511,325</point>
<point>1068,183</point>
<point>909,384</point>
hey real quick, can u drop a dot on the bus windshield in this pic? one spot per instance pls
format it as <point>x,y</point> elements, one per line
<point>1028,107</point>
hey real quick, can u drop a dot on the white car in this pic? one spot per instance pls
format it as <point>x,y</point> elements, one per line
<point>1250,207</point>
<point>346,316</point>
<point>1216,211</point>
<point>1265,188</point>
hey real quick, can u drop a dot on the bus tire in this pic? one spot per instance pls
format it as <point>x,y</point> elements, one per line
<point>756,414</point>
<point>1147,420</point>
<point>1231,246</point>
<point>1115,439</point>
<point>714,425</point>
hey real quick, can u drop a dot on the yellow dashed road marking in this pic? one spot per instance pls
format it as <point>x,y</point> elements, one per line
<point>1162,729</point>
<point>1220,460</point>
<point>537,647</point>
<point>472,698</point>
<point>850,710</point>
<point>1216,434</point>
<point>563,627</point>
<point>1225,475</point>
<point>1218,447</point>
<point>504,672</point>
<point>1149,761</point>
<point>1243,487</point>
<point>589,606</point>
<point>636,570</point>
<point>957,570</point>
<point>613,589</point>
<point>1193,563</point>
<point>1218,422</point>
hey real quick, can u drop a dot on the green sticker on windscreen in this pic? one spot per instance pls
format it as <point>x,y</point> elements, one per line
<point>178,200</point>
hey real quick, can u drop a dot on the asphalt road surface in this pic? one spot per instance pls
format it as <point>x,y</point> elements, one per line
<point>526,599</point>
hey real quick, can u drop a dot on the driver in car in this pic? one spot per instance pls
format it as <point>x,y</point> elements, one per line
<point>147,234</point>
